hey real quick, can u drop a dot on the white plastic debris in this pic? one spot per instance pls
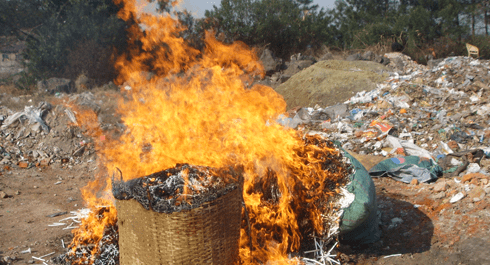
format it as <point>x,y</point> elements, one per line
<point>457,197</point>
<point>473,168</point>
<point>71,115</point>
<point>32,114</point>
<point>393,255</point>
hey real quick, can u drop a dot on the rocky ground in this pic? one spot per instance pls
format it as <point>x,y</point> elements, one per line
<point>44,162</point>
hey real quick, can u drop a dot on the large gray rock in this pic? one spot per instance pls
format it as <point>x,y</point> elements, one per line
<point>326,56</point>
<point>381,59</point>
<point>368,56</point>
<point>354,57</point>
<point>270,62</point>
<point>296,66</point>
<point>55,85</point>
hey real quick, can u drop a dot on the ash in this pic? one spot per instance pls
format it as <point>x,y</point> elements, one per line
<point>183,187</point>
<point>107,254</point>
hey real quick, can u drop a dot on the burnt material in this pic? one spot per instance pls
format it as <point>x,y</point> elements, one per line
<point>183,187</point>
<point>107,254</point>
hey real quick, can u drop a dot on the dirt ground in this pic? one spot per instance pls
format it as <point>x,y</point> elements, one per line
<point>419,225</point>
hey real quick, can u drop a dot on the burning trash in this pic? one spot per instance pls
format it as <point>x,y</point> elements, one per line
<point>200,136</point>
<point>183,215</point>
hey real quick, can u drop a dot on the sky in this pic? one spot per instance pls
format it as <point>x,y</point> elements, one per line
<point>197,7</point>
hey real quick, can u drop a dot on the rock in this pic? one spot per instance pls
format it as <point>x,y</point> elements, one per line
<point>414,182</point>
<point>326,56</point>
<point>3,195</point>
<point>83,82</point>
<point>275,77</point>
<point>477,194</point>
<point>438,196</point>
<point>270,63</point>
<point>55,85</point>
<point>284,78</point>
<point>381,59</point>
<point>86,99</point>
<point>294,67</point>
<point>440,185</point>
<point>470,176</point>
<point>31,261</point>
<point>399,64</point>
<point>354,57</point>
<point>368,56</point>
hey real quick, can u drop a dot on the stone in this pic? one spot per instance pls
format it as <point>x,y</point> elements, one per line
<point>56,85</point>
<point>438,196</point>
<point>83,82</point>
<point>440,186</point>
<point>3,195</point>
<point>477,194</point>
<point>470,176</point>
<point>381,59</point>
<point>326,56</point>
<point>414,182</point>
<point>294,67</point>
<point>354,57</point>
<point>368,56</point>
<point>269,61</point>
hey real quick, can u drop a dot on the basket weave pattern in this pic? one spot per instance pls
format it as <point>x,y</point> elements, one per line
<point>208,234</point>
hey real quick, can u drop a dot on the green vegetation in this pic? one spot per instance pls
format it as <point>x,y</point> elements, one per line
<point>68,37</point>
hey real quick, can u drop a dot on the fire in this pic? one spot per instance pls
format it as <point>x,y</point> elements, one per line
<point>198,109</point>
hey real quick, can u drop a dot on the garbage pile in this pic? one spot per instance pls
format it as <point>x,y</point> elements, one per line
<point>45,134</point>
<point>434,115</point>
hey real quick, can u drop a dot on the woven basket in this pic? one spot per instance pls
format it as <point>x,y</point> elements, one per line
<point>208,234</point>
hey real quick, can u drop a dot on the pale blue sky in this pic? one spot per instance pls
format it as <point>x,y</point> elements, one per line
<point>197,7</point>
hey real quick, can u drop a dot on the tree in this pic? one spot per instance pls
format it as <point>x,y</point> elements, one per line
<point>18,16</point>
<point>285,26</point>
<point>71,25</point>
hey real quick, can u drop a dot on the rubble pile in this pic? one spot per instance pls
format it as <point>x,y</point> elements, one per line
<point>437,114</point>
<point>45,134</point>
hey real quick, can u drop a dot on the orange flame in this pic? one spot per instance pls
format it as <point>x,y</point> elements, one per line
<point>197,109</point>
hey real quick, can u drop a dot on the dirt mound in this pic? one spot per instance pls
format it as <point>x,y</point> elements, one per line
<point>328,82</point>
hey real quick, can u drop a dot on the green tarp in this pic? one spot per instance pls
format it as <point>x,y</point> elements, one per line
<point>360,222</point>
<point>407,168</point>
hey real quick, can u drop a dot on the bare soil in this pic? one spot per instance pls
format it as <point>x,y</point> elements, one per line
<point>418,226</point>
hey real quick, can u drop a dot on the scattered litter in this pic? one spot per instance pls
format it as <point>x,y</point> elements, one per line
<point>394,255</point>
<point>26,251</point>
<point>457,197</point>
<point>76,219</point>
